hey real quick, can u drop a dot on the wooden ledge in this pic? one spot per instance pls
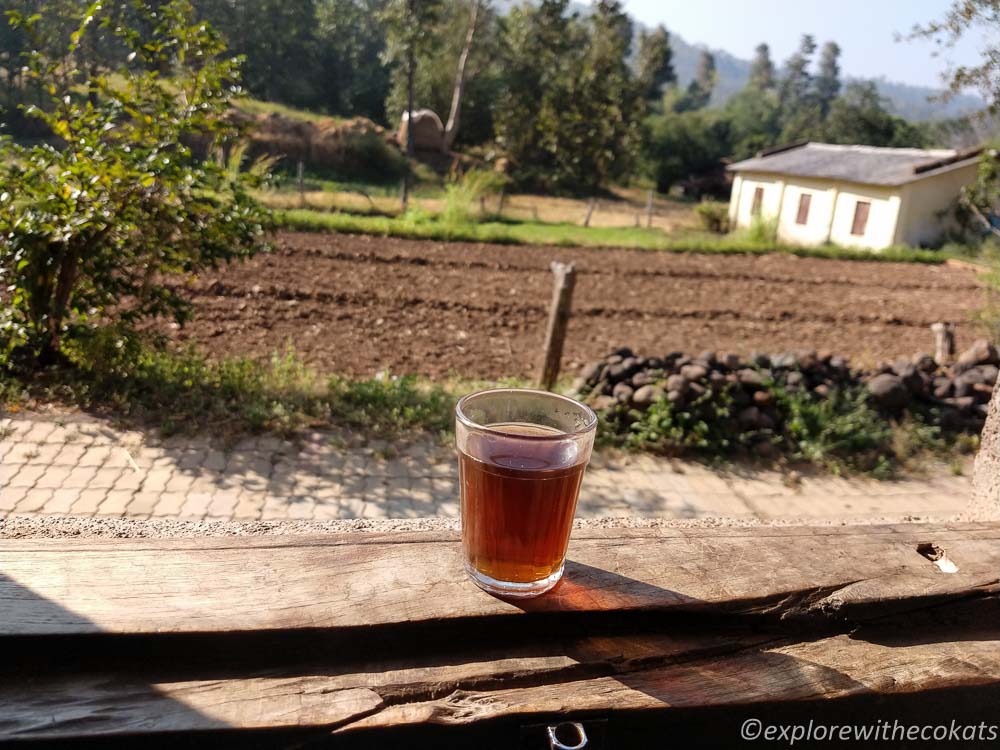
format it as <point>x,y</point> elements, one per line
<point>379,637</point>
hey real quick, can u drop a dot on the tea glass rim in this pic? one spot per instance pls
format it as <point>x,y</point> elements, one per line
<point>590,425</point>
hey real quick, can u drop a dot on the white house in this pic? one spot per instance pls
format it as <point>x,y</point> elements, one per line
<point>851,195</point>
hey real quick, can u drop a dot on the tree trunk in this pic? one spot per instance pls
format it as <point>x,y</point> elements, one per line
<point>451,129</point>
<point>411,64</point>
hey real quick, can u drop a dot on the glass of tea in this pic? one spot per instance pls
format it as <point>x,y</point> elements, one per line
<point>521,459</point>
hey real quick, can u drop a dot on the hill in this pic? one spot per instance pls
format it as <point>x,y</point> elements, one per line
<point>911,102</point>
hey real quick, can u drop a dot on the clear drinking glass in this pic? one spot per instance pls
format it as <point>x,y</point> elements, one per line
<point>521,456</point>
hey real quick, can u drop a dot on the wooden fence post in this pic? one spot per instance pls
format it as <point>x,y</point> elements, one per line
<point>944,342</point>
<point>300,177</point>
<point>555,334</point>
<point>649,209</point>
<point>503,197</point>
<point>590,211</point>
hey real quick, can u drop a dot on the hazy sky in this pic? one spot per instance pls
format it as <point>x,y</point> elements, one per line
<point>863,28</point>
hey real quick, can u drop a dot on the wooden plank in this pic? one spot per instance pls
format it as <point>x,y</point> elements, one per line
<point>104,705</point>
<point>829,669</point>
<point>109,703</point>
<point>584,677</point>
<point>50,587</point>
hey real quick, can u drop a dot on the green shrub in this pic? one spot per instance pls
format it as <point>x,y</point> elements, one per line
<point>840,431</point>
<point>763,230</point>
<point>462,195</point>
<point>714,216</point>
<point>123,204</point>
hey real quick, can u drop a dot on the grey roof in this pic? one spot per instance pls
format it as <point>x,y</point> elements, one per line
<point>867,165</point>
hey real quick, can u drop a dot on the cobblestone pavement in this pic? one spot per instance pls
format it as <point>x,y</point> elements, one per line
<point>81,466</point>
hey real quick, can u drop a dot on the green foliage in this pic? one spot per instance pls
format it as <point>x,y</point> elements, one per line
<point>391,406</point>
<point>437,60</point>
<point>761,69</point>
<point>420,225</point>
<point>705,426</point>
<point>699,91</point>
<point>979,19</point>
<point>654,66</point>
<point>463,195</point>
<point>567,116</point>
<point>113,369</point>
<point>105,218</point>
<point>754,121</point>
<point>840,431</point>
<point>714,216</point>
<point>763,229</point>
<point>860,116</point>
<point>679,145</point>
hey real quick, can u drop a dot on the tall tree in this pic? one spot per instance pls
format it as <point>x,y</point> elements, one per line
<point>699,91</point>
<point>762,69</point>
<point>353,77</point>
<point>277,39</point>
<point>827,81</point>
<point>801,115</point>
<point>408,30</point>
<point>654,67</point>
<point>451,128</point>
<point>860,116</point>
<point>567,117</point>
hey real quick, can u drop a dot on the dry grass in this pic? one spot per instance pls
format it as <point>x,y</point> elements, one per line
<point>629,210</point>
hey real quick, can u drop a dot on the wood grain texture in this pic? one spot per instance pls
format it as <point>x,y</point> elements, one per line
<point>343,582</point>
<point>829,669</point>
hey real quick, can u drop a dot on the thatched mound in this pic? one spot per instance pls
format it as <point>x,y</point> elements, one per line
<point>428,132</point>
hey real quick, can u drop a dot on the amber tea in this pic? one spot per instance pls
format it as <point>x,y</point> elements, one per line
<point>520,481</point>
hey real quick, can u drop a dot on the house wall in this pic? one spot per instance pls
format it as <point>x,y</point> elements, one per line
<point>816,230</point>
<point>883,215</point>
<point>831,209</point>
<point>741,201</point>
<point>921,221</point>
<point>917,213</point>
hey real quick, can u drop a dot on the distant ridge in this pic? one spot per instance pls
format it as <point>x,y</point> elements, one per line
<point>905,100</point>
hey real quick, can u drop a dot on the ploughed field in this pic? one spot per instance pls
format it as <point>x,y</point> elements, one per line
<point>359,304</point>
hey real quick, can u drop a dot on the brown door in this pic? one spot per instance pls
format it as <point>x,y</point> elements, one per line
<point>860,222</point>
<point>758,199</point>
<point>803,215</point>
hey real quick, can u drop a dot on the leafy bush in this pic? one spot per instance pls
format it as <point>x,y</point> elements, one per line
<point>839,433</point>
<point>105,217</point>
<point>841,430</point>
<point>714,216</point>
<point>704,426</point>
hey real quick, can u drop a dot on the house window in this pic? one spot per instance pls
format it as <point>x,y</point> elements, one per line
<point>860,222</point>
<point>803,215</point>
<point>758,199</point>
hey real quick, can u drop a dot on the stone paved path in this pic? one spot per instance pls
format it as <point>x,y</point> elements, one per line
<point>80,466</point>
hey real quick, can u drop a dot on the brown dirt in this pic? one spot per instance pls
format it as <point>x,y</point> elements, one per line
<point>359,304</point>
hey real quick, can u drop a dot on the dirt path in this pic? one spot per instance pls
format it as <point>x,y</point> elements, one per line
<point>359,304</point>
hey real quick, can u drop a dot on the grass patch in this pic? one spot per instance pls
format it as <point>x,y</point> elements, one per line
<point>420,225</point>
<point>258,107</point>
<point>125,376</point>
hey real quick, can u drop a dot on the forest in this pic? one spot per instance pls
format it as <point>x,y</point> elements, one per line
<point>573,101</point>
